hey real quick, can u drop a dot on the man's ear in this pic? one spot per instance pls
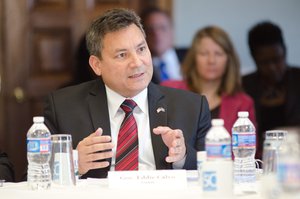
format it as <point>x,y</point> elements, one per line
<point>95,64</point>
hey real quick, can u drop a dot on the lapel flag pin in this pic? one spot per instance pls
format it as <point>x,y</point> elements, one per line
<point>160,109</point>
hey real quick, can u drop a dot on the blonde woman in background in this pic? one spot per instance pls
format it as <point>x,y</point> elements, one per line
<point>211,67</point>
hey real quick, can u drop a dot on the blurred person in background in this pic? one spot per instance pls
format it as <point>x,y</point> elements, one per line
<point>159,31</point>
<point>211,68</point>
<point>82,71</point>
<point>6,168</point>
<point>274,86</point>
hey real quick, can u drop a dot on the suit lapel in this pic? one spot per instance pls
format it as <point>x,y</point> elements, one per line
<point>98,108</point>
<point>158,117</point>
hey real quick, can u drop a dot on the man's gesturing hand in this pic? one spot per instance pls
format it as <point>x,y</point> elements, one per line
<point>175,142</point>
<point>92,148</point>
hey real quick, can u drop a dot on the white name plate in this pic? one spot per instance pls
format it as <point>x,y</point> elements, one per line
<point>161,179</point>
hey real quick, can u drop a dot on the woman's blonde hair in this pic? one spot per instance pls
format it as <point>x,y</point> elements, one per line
<point>231,81</point>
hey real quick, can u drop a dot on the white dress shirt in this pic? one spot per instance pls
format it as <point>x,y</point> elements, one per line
<point>171,60</point>
<point>141,115</point>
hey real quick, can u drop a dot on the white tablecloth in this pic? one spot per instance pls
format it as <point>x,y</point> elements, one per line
<point>98,188</point>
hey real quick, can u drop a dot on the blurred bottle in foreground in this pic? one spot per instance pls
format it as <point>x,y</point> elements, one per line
<point>38,155</point>
<point>288,171</point>
<point>217,171</point>
<point>243,147</point>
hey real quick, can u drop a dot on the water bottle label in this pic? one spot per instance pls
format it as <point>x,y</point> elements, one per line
<point>209,181</point>
<point>218,150</point>
<point>38,145</point>
<point>243,139</point>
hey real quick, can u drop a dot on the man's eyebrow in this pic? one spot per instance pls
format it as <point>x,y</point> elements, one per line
<point>141,44</point>
<point>120,50</point>
<point>124,49</point>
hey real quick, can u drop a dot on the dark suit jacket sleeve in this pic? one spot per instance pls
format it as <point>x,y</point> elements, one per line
<point>198,144</point>
<point>6,169</point>
<point>78,110</point>
<point>68,111</point>
<point>49,114</point>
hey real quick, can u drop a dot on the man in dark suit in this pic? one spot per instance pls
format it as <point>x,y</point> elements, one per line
<point>167,60</point>
<point>171,124</point>
<point>274,87</point>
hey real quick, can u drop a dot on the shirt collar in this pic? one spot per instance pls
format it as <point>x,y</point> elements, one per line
<point>114,100</point>
<point>167,57</point>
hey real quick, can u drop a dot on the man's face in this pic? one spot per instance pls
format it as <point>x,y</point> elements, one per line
<point>270,62</point>
<point>159,33</point>
<point>126,65</point>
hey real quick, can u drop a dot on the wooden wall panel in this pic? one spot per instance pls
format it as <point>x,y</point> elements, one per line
<point>51,51</point>
<point>2,135</point>
<point>41,5</point>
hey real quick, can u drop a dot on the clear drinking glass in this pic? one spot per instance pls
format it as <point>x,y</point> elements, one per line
<point>62,164</point>
<point>272,146</point>
<point>272,143</point>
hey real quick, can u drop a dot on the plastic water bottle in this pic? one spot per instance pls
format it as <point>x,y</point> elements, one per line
<point>217,171</point>
<point>243,147</point>
<point>38,155</point>
<point>218,142</point>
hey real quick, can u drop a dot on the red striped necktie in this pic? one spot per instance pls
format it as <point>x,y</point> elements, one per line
<point>127,147</point>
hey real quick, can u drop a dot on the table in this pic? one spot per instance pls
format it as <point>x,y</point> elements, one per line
<point>98,188</point>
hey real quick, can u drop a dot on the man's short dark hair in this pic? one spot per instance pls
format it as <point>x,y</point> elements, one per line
<point>264,34</point>
<point>111,21</point>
